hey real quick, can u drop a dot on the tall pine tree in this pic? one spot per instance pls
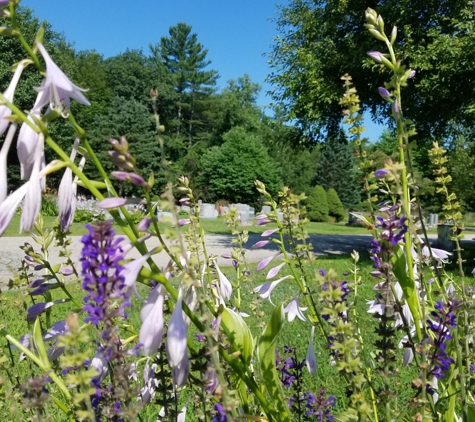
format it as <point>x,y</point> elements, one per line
<point>185,58</point>
<point>336,169</point>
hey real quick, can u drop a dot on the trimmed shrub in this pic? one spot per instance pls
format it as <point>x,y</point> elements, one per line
<point>335,207</point>
<point>317,205</point>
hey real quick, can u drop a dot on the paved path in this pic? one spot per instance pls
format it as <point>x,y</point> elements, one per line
<point>11,254</point>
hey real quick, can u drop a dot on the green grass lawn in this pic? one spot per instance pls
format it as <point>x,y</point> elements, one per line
<point>13,305</point>
<point>216,226</point>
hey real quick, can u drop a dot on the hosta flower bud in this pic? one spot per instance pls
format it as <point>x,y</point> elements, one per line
<point>384,93</point>
<point>375,55</point>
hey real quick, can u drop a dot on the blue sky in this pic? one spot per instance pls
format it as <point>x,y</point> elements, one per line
<point>236,32</point>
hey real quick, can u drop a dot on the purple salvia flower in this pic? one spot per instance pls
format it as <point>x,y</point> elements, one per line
<point>9,94</point>
<point>37,309</point>
<point>274,271</point>
<point>294,310</point>
<point>264,262</point>
<point>151,331</point>
<point>57,89</point>
<point>266,289</point>
<point>260,244</point>
<point>381,173</point>
<point>102,273</point>
<point>384,93</point>
<point>211,381</point>
<point>269,232</point>
<point>311,359</point>
<point>220,414</point>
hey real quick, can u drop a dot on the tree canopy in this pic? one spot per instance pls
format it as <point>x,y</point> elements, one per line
<point>320,40</point>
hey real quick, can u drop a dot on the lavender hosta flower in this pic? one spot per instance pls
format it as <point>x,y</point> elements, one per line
<point>3,161</point>
<point>311,359</point>
<point>396,110</point>
<point>177,333</point>
<point>266,289</point>
<point>263,263</point>
<point>133,178</point>
<point>54,353</point>
<point>412,73</point>
<point>58,329</point>
<point>211,381</point>
<point>262,222</point>
<point>9,94</point>
<point>147,393</point>
<point>375,55</point>
<point>57,89</point>
<point>151,331</point>
<point>184,201</point>
<point>66,194</point>
<point>183,222</point>
<point>260,244</point>
<point>26,144</point>
<point>408,356</point>
<point>144,224</point>
<point>99,363</point>
<point>66,271</point>
<point>225,287</point>
<point>269,232</point>
<point>131,271</point>
<point>32,204</point>
<point>180,373</point>
<point>294,310</point>
<point>384,93</point>
<point>102,273</point>
<point>109,203</point>
<point>274,271</point>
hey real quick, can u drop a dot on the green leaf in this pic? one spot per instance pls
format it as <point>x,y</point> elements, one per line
<point>471,411</point>
<point>40,344</point>
<point>239,334</point>
<point>407,284</point>
<point>266,352</point>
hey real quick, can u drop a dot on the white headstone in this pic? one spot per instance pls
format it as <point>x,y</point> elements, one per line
<point>207,211</point>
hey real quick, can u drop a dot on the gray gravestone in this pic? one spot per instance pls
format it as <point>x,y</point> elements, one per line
<point>207,211</point>
<point>265,209</point>
<point>243,211</point>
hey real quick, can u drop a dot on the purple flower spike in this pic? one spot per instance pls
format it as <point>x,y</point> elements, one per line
<point>375,55</point>
<point>381,173</point>
<point>264,263</point>
<point>274,271</point>
<point>384,92</point>
<point>260,244</point>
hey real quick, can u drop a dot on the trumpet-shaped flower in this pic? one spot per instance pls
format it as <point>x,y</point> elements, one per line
<point>311,359</point>
<point>57,89</point>
<point>27,141</point>
<point>225,286</point>
<point>177,334</point>
<point>66,194</point>
<point>294,310</point>
<point>131,272</point>
<point>274,271</point>
<point>266,289</point>
<point>32,204</point>
<point>3,162</point>
<point>9,206</point>
<point>264,262</point>
<point>9,94</point>
<point>151,331</point>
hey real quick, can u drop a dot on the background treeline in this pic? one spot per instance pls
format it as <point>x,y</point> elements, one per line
<point>220,138</point>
